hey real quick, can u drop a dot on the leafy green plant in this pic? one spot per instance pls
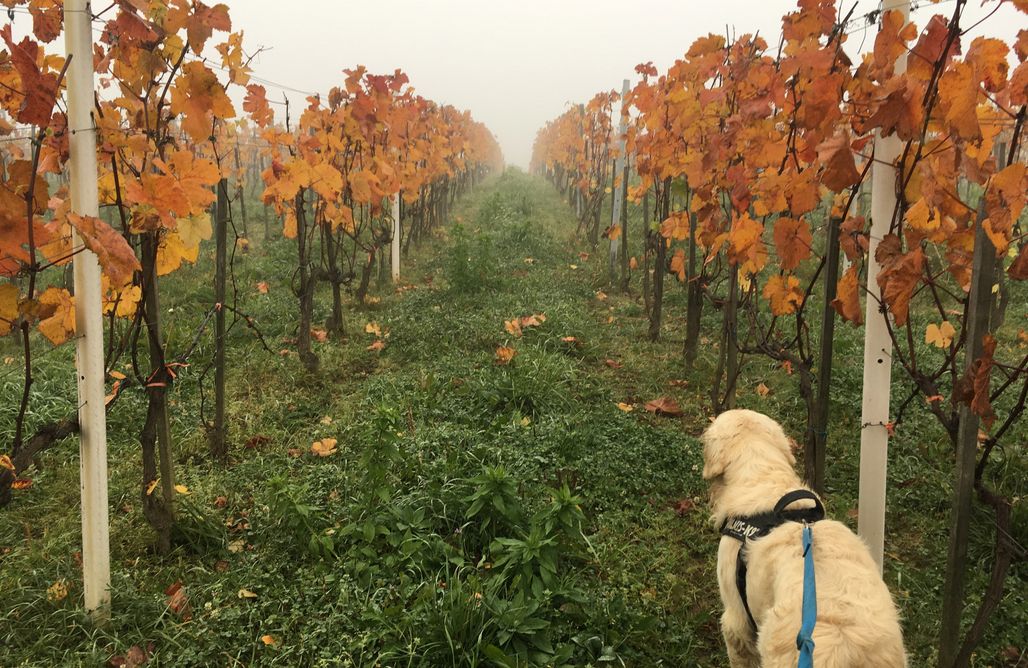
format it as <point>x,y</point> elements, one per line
<point>299,522</point>
<point>471,264</point>
<point>523,634</point>
<point>494,502</point>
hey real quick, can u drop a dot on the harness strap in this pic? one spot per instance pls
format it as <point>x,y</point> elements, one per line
<point>740,586</point>
<point>756,526</point>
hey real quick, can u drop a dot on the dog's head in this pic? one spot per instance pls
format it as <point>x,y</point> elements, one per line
<point>740,440</point>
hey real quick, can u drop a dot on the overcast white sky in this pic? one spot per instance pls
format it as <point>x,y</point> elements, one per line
<point>514,64</point>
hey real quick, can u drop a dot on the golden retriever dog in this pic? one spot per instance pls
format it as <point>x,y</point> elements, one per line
<point>749,462</point>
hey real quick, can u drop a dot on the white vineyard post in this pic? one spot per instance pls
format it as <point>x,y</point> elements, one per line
<point>874,434</point>
<point>394,247</point>
<point>89,359</point>
<point>619,168</point>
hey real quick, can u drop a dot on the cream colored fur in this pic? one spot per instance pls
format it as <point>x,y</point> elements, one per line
<point>749,463</point>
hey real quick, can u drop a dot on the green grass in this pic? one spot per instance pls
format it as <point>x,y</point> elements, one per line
<point>473,514</point>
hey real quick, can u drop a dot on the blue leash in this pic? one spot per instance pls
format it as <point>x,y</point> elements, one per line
<point>805,638</point>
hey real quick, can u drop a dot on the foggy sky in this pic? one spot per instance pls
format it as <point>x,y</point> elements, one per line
<point>514,64</point>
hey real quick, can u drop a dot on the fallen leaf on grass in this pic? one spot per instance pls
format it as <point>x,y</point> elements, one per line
<point>613,364</point>
<point>378,346</point>
<point>294,452</point>
<point>220,502</point>
<point>178,602</point>
<point>324,447</point>
<point>182,489</point>
<point>319,335</point>
<point>326,420</point>
<point>57,592</point>
<point>21,483</point>
<point>583,256</point>
<point>246,593</point>
<point>515,326</point>
<point>6,463</point>
<point>373,328</point>
<point>683,506</point>
<point>678,382</point>
<point>269,640</point>
<point>627,408</point>
<point>504,355</point>
<point>221,565</point>
<point>262,287</point>
<point>135,657</point>
<point>763,390</point>
<point>664,406</point>
<point>237,546</point>
<point>601,295</point>
<point>256,441</point>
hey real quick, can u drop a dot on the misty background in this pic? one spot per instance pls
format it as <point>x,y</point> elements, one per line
<point>516,65</point>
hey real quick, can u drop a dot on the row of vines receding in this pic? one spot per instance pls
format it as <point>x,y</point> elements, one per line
<point>752,160</point>
<point>177,164</point>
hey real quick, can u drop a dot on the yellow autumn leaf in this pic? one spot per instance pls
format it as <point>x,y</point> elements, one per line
<point>152,486</point>
<point>627,408</point>
<point>324,447</point>
<point>57,315</point>
<point>194,229</point>
<point>172,252</point>
<point>939,336</point>
<point>6,463</point>
<point>123,302</point>
<point>182,489</point>
<point>246,593</point>
<point>269,640</point>
<point>56,592</point>
<point>373,328</point>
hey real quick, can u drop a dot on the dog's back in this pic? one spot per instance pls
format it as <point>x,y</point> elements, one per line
<point>857,624</point>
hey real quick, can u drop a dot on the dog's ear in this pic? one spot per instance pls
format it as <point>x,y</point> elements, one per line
<point>715,459</point>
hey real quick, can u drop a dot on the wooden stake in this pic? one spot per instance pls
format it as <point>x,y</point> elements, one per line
<point>979,309</point>
<point>219,437</point>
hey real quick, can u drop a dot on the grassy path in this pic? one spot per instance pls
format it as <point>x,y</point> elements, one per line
<point>471,513</point>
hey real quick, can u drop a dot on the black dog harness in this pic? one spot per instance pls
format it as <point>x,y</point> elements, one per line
<point>756,526</point>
